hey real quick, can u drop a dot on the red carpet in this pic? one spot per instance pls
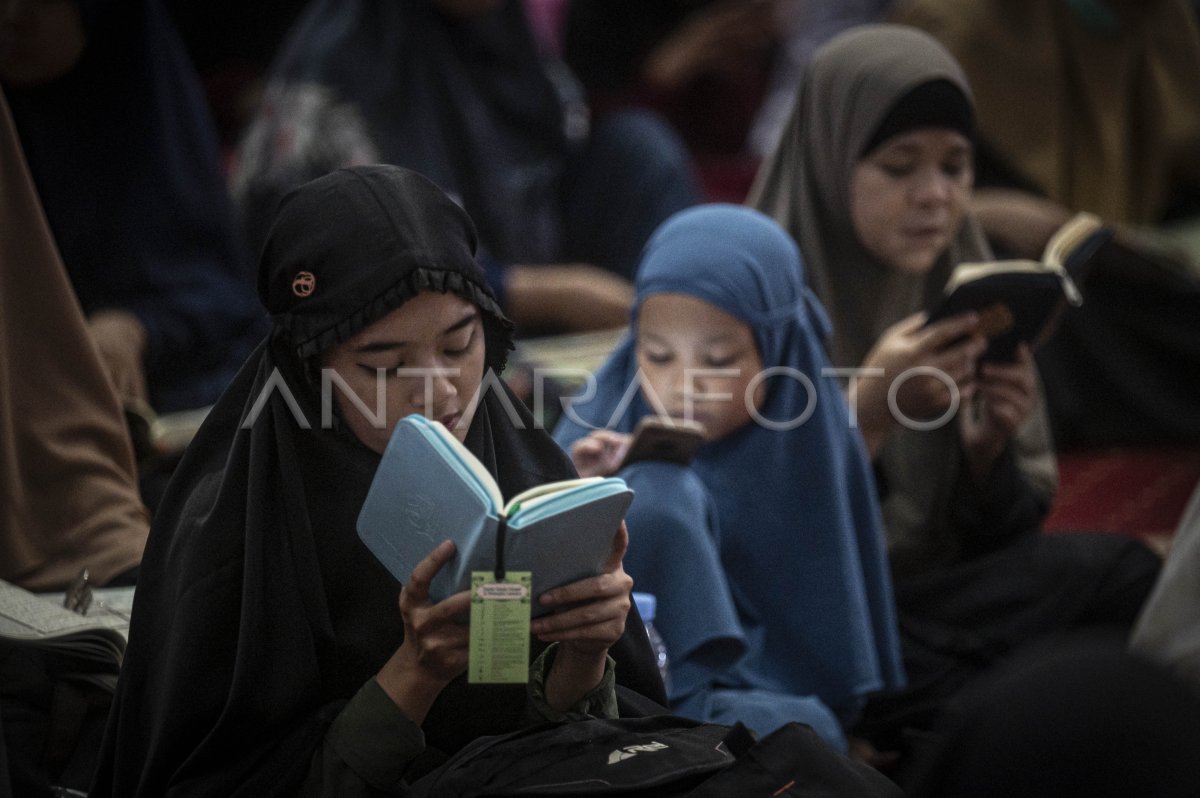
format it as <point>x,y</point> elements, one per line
<point>726,179</point>
<point>1137,491</point>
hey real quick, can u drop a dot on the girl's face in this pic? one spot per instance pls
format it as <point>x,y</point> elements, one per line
<point>908,197</point>
<point>698,360</point>
<point>426,356</point>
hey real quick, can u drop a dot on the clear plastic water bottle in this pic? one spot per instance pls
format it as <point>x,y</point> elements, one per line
<point>647,606</point>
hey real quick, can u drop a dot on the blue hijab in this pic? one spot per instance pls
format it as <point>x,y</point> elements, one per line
<point>801,537</point>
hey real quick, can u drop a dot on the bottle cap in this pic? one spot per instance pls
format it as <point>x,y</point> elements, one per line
<point>646,604</point>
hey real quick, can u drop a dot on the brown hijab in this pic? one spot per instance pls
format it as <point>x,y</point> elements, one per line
<point>1101,116</point>
<point>68,485</point>
<point>848,89</point>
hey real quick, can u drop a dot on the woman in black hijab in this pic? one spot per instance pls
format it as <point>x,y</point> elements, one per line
<point>265,644</point>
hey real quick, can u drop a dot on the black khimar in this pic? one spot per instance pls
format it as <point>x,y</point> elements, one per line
<point>465,100</point>
<point>258,612</point>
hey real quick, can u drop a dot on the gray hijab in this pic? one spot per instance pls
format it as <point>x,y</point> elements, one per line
<point>850,86</point>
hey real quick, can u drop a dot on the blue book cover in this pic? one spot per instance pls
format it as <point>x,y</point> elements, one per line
<point>429,488</point>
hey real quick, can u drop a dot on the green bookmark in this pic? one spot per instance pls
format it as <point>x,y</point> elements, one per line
<point>500,612</point>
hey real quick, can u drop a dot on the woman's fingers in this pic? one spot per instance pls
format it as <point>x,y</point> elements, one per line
<point>450,610</point>
<point>908,325</point>
<point>601,622</point>
<point>1019,373</point>
<point>606,585</point>
<point>599,453</point>
<point>594,609</point>
<point>416,590</point>
<point>611,581</point>
<point>619,545</point>
<point>944,332</point>
<point>433,633</point>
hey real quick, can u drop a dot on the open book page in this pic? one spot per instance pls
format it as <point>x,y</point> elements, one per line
<point>460,455</point>
<point>583,491</point>
<point>110,605</point>
<point>1071,245</point>
<point>30,616</point>
<point>1070,236</point>
<point>528,499</point>
<point>96,640</point>
<point>970,272</point>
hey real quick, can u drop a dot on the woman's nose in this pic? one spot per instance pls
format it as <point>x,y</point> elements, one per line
<point>932,187</point>
<point>435,388</point>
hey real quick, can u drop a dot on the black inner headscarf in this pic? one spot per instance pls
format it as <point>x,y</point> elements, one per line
<point>258,611</point>
<point>938,103</point>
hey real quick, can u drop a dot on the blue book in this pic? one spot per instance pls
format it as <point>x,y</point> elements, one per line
<point>429,488</point>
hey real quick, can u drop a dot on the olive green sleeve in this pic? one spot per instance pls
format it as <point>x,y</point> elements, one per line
<point>599,702</point>
<point>366,750</point>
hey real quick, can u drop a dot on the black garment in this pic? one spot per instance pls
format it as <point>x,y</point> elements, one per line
<point>125,160</point>
<point>960,621</point>
<point>1081,717</point>
<point>1124,367</point>
<point>53,707</point>
<point>1010,584</point>
<point>258,612</point>
<point>462,101</point>
<point>470,104</point>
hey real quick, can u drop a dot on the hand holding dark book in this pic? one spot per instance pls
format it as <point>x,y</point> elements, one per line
<point>1019,301</point>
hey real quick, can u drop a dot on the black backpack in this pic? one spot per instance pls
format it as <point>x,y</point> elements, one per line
<point>53,710</point>
<point>654,757</point>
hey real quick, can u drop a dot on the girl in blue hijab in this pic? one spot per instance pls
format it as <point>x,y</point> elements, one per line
<point>766,553</point>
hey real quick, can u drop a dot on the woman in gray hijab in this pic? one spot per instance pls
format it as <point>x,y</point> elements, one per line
<point>873,178</point>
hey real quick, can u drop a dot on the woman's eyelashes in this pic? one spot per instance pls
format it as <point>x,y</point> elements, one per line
<point>722,361</point>
<point>462,343</point>
<point>453,351</point>
<point>706,360</point>
<point>898,170</point>
<point>951,169</point>
<point>955,169</point>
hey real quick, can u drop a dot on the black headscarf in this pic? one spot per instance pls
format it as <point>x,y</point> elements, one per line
<point>258,611</point>
<point>464,102</point>
<point>125,159</point>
